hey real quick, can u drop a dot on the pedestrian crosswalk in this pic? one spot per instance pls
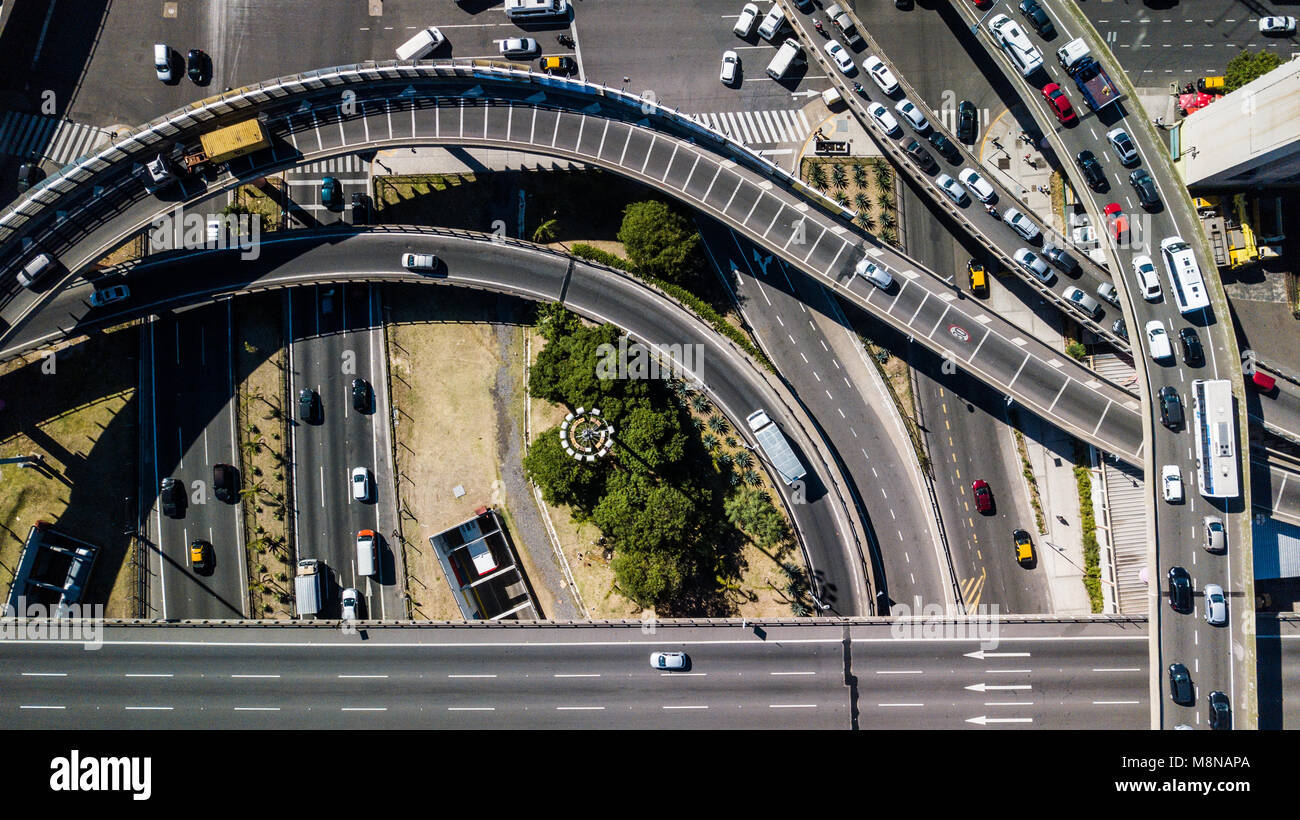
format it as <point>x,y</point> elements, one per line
<point>48,138</point>
<point>336,165</point>
<point>767,127</point>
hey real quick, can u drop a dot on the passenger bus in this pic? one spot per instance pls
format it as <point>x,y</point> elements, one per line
<point>1185,281</point>
<point>1215,428</point>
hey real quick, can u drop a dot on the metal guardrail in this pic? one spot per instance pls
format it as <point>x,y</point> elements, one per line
<point>639,624</point>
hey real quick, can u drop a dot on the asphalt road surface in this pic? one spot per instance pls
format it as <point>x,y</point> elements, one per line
<point>337,337</point>
<point>193,429</point>
<point>882,676</point>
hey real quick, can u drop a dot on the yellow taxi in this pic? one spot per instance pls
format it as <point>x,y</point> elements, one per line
<point>1024,548</point>
<point>979,278</point>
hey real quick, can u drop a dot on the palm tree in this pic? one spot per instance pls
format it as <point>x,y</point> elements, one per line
<point>839,177</point>
<point>817,175</point>
<point>866,220</point>
<point>888,220</point>
<point>709,441</point>
<point>545,232</point>
<point>731,442</point>
<point>860,175</point>
<point>744,460</point>
<point>842,199</point>
<point>724,462</point>
<point>860,200</point>
<point>718,424</point>
<point>885,202</point>
<point>751,478</point>
<point>697,422</point>
<point>883,174</point>
<point>888,235</point>
<point>700,403</point>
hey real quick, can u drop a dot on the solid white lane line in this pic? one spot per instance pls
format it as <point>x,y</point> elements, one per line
<point>792,706</point>
<point>42,707</point>
<point>254,676</point>
<point>257,708</point>
<point>148,708</point>
<point>575,675</point>
<point>471,708</point>
<point>363,708</point>
<point>683,707</point>
<point>362,676</point>
<point>579,708</point>
<point>45,674</point>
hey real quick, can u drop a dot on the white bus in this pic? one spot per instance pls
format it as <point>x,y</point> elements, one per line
<point>1185,281</point>
<point>534,9</point>
<point>1215,428</point>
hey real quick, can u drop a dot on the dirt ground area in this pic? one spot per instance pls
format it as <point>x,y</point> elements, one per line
<point>79,410</point>
<point>260,361</point>
<point>452,364</point>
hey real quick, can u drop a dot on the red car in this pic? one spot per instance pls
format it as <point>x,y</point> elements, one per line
<point>983,496</point>
<point>1060,103</point>
<point>1118,222</point>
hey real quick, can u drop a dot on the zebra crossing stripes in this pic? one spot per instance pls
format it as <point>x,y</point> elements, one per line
<point>759,127</point>
<point>49,138</point>
<point>336,165</point>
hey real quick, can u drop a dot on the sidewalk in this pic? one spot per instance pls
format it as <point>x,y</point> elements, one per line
<point>1014,157</point>
<point>1060,551</point>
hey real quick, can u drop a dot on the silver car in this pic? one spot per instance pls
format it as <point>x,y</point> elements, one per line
<point>518,47</point>
<point>1216,537</point>
<point>1029,260</point>
<point>668,660</point>
<point>349,605</point>
<point>1020,223</point>
<point>1216,606</point>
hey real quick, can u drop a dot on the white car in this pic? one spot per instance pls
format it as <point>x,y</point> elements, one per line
<point>841,57</point>
<point>884,119</point>
<point>1020,224</point>
<point>913,115</point>
<point>730,68</point>
<point>1171,481</point>
<point>1216,606</point>
<point>349,606</point>
<point>881,74</point>
<point>668,660</point>
<point>771,23</point>
<point>977,185</point>
<point>1277,25</point>
<point>1083,236</point>
<point>1148,279</point>
<point>1123,146</point>
<point>873,273</point>
<point>518,47</point>
<point>745,23</point>
<point>109,295</point>
<point>1158,341</point>
<point>419,261</point>
<point>360,483</point>
<point>951,187</point>
<point>1032,264</point>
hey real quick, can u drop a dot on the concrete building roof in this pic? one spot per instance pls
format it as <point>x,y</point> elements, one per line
<point>1250,137</point>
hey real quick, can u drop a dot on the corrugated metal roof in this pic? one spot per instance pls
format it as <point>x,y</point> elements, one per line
<point>1276,545</point>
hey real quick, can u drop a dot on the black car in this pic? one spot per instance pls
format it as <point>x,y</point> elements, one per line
<point>307,404</point>
<point>921,156</point>
<point>1180,590</point>
<point>1180,684</point>
<point>1192,353</point>
<point>224,482</point>
<point>198,65</point>
<point>1092,171</point>
<point>173,498</point>
<point>1145,188</point>
<point>29,173</point>
<point>1220,711</point>
<point>1061,259</point>
<point>944,146</point>
<point>360,396</point>
<point>1037,19</point>
<point>966,122</point>
<point>1120,329</point>
<point>360,208</point>
<point>1171,407</point>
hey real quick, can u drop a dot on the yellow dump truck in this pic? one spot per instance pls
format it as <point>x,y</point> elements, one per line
<point>229,142</point>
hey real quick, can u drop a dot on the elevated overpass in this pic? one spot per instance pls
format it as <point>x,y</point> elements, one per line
<point>97,203</point>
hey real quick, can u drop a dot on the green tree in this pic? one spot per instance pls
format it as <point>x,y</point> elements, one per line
<point>660,241</point>
<point>554,319</point>
<point>866,220</point>
<point>563,479</point>
<point>817,175</point>
<point>751,511</point>
<point>860,175</point>
<point>649,578</point>
<point>1248,66</point>
<point>655,438</point>
<point>718,424</point>
<point>1077,350</point>
<point>639,514</point>
<point>546,232</point>
<point>839,177</point>
<point>860,200</point>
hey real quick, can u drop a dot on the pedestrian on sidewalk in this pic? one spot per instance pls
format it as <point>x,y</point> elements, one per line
<point>996,144</point>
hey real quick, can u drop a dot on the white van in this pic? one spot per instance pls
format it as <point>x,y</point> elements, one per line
<point>367,553</point>
<point>785,56</point>
<point>534,9</point>
<point>421,45</point>
<point>1016,44</point>
<point>40,265</point>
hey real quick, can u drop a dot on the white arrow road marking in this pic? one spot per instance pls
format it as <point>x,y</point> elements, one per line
<point>984,721</point>
<point>981,655</point>
<point>984,687</point>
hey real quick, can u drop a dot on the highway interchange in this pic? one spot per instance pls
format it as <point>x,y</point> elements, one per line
<point>317,347</point>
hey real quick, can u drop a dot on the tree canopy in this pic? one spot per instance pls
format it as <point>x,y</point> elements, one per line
<point>1248,66</point>
<point>660,241</point>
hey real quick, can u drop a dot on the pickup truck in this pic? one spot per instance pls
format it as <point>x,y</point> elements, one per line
<point>1094,83</point>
